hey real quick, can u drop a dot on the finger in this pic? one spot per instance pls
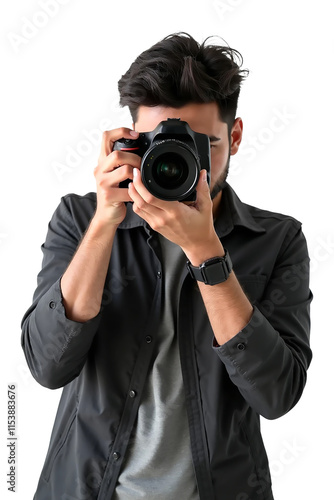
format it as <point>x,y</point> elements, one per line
<point>203,190</point>
<point>119,174</point>
<point>112,179</point>
<point>110,136</point>
<point>141,207</point>
<point>118,159</point>
<point>148,197</point>
<point>115,160</point>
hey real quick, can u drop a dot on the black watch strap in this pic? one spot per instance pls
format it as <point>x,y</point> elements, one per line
<point>212,271</point>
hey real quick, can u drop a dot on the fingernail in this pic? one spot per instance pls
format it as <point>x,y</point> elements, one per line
<point>205,175</point>
<point>134,133</point>
<point>135,173</point>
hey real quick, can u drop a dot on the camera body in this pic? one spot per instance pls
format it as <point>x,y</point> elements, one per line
<point>172,158</point>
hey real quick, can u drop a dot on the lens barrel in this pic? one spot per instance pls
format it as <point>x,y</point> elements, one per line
<point>170,170</point>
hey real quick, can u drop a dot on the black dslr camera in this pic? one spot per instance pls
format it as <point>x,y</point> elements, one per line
<point>172,158</point>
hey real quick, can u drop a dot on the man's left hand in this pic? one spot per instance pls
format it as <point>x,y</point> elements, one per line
<point>189,226</point>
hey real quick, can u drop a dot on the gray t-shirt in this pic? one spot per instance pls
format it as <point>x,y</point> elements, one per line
<point>159,465</point>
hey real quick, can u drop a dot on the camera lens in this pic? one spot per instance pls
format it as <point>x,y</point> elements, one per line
<point>170,170</point>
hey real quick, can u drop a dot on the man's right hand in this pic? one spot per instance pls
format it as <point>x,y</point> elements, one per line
<point>114,167</point>
<point>83,282</point>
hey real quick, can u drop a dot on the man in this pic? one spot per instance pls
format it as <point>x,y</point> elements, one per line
<point>165,376</point>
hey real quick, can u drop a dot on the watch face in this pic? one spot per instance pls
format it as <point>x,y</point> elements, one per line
<point>216,272</point>
<point>212,271</point>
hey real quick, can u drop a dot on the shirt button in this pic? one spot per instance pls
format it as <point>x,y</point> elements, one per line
<point>159,274</point>
<point>52,305</point>
<point>241,346</point>
<point>132,394</point>
<point>116,456</point>
<point>148,339</point>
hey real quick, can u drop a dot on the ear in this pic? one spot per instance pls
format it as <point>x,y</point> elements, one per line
<point>236,135</point>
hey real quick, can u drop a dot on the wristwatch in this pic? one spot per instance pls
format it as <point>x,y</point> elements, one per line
<point>212,271</point>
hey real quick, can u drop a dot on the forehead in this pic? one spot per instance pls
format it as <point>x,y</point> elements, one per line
<point>201,117</point>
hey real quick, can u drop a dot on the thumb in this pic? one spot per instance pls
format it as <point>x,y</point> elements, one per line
<point>203,188</point>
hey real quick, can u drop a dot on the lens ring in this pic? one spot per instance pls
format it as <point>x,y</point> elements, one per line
<point>180,154</point>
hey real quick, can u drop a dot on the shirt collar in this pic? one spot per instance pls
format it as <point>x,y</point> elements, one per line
<point>232,213</point>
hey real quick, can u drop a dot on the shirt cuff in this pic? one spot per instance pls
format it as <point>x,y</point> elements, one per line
<point>59,331</point>
<point>249,352</point>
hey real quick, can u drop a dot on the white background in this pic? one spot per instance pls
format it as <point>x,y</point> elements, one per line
<point>59,83</point>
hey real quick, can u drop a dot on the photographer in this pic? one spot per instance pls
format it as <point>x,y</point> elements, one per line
<point>172,324</point>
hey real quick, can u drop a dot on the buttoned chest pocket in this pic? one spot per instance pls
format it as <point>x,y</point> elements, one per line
<point>253,286</point>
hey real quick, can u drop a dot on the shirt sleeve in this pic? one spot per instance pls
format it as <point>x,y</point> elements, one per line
<point>54,346</point>
<point>269,358</point>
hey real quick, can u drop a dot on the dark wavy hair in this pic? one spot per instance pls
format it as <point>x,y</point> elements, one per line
<point>178,70</point>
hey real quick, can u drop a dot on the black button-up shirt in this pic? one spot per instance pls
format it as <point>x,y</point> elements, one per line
<point>102,363</point>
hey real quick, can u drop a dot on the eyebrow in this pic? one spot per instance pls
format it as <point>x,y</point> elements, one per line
<point>214,138</point>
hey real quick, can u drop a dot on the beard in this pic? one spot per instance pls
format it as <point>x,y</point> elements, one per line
<point>220,183</point>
